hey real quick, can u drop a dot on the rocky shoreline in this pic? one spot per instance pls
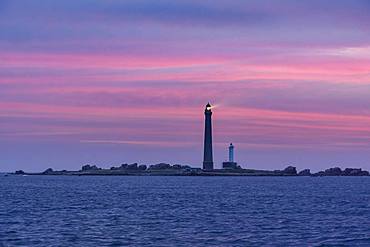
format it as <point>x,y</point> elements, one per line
<point>164,169</point>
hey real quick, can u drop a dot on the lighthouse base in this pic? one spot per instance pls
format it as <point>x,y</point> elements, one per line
<point>208,165</point>
<point>230,165</point>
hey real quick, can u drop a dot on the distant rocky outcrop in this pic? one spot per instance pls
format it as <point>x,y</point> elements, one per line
<point>48,171</point>
<point>165,166</point>
<point>123,167</point>
<point>290,170</point>
<point>305,172</point>
<point>181,167</point>
<point>163,169</point>
<point>137,167</point>
<point>176,166</point>
<point>336,171</point>
<point>160,166</point>
<point>90,168</point>
<point>132,166</point>
<point>354,172</point>
<point>142,167</point>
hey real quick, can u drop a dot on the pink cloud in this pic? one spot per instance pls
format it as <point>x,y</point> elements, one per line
<point>144,125</point>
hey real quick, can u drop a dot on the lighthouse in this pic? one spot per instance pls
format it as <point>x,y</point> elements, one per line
<point>208,155</point>
<point>231,153</point>
<point>231,164</point>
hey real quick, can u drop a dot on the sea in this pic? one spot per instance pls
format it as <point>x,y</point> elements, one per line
<point>184,211</point>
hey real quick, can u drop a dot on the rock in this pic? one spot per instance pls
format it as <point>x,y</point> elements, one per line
<point>290,170</point>
<point>180,167</point>
<point>349,171</point>
<point>123,167</point>
<point>132,166</point>
<point>142,167</point>
<point>48,171</point>
<point>336,171</point>
<point>89,168</point>
<point>177,167</point>
<point>19,172</point>
<point>85,168</point>
<point>305,172</point>
<point>354,172</point>
<point>365,173</point>
<point>319,174</point>
<point>160,166</point>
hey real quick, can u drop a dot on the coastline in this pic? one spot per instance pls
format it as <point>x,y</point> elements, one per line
<point>163,169</point>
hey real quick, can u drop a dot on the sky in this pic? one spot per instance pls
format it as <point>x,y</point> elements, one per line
<point>122,81</point>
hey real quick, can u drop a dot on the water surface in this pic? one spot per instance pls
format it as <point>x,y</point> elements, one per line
<point>184,211</point>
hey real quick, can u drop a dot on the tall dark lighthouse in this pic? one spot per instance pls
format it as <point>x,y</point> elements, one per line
<point>208,156</point>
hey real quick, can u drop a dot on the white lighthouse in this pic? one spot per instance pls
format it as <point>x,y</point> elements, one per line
<point>231,153</point>
<point>231,164</point>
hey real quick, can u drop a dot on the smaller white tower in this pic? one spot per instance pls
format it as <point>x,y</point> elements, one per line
<point>231,164</point>
<point>231,153</point>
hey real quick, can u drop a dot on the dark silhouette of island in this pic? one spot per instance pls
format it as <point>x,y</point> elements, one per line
<point>164,169</point>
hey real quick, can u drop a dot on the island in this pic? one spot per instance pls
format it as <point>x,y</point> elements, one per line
<point>164,169</point>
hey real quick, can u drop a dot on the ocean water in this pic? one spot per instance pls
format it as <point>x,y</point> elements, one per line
<point>184,211</point>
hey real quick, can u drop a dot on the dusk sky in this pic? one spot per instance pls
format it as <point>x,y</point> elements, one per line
<point>111,82</point>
